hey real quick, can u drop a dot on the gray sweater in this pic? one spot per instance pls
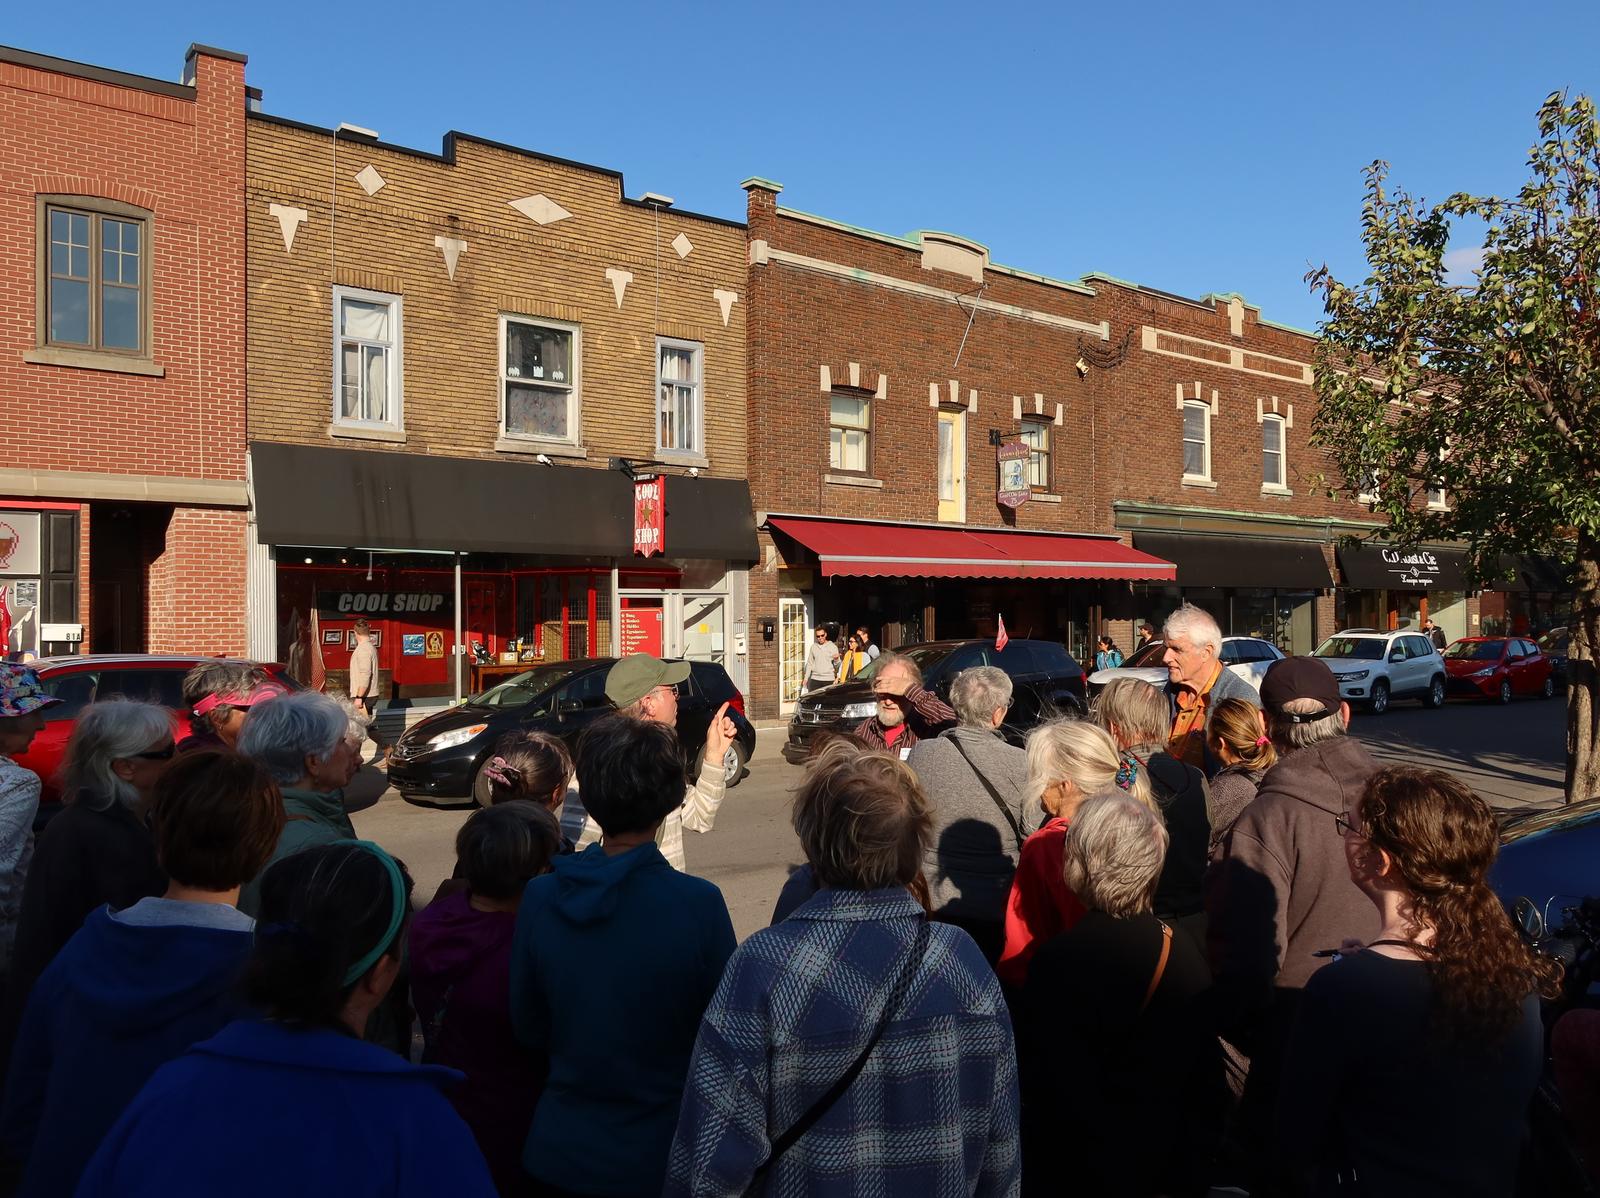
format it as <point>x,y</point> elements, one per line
<point>973,853</point>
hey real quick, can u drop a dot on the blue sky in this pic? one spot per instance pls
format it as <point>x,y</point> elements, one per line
<point>1189,147</point>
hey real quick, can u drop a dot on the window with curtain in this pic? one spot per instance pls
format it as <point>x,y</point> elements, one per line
<point>850,432</point>
<point>678,391</point>
<point>367,364</point>
<point>538,379</point>
<point>96,293</point>
<point>1197,440</point>
<point>1036,436</point>
<point>1272,471</point>
<point>947,462</point>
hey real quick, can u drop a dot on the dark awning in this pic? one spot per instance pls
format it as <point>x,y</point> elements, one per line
<point>1240,561</point>
<point>315,495</point>
<point>1376,566</point>
<point>1526,572</point>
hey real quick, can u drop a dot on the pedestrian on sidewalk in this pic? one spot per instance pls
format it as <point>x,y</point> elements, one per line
<point>364,686</point>
<point>298,1102</point>
<point>135,988</point>
<point>867,644</point>
<point>854,659</point>
<point>822,661</point>
<point>1107,655</point>
<point>907,712</point>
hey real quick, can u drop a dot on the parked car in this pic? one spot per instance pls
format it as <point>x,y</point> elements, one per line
<point>442,756</point>
<point>1550,856</point>
<point>1497,667</point>
<point>1553,645</point>
<point>1246,656</point>
<point>79,681</point>
<point>1376,668</point>
<point>1046,683</point>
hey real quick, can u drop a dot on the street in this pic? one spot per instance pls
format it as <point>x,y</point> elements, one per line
<point>1511,755</point>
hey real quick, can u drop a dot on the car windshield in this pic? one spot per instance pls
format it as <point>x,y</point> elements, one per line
<point>523,689</point>
<point>1554,641</point>
<point>1476,650</point>
<point>1150,655</point>
<point>926,657</point>
<point>1351,648</point>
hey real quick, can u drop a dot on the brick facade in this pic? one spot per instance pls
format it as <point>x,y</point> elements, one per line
<point>161,430</point>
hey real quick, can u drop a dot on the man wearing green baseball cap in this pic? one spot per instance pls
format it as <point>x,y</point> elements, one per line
<point>646,688</point>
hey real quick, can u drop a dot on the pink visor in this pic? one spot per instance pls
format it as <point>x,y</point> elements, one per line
<point>259,694</point>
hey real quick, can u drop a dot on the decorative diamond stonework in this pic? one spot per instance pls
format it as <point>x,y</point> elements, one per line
<point>540,209</point>
<point>371,181</point>
<point>683,245</point>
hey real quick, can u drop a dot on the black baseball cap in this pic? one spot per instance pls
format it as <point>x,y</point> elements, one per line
<point>1300,678</point>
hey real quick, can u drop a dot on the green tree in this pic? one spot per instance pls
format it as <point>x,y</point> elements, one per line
<point>1490,389</point>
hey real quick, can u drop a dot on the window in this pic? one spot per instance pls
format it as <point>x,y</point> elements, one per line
<point>1272,472</point>
<point>1367,486</point>
<point>539,364</point>
<point>1197,441</point>
<point>1436,498</point>
<point>1036,436</point>
<point>95,278</point>
<point>678,411</point>
<point>850,431</point>
<point>366,358</point>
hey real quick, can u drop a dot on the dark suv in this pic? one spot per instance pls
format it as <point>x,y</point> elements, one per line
<point>1047,683</point>
<point>441,757</point>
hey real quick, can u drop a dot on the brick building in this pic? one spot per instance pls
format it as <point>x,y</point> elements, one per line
<point>458,364</point>
<point>122,497</point>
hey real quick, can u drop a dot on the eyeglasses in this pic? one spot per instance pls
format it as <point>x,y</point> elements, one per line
<point>159,754</point>
<point>1342,824</point>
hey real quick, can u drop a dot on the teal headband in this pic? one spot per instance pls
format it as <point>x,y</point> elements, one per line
<point>397,887</point>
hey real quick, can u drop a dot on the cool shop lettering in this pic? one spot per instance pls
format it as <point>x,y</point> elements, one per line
<point>380,603</point>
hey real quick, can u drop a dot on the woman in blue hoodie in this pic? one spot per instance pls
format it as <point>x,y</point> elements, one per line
<point>615,957</point>
<point>134,988</point>
<point>297,1103</point>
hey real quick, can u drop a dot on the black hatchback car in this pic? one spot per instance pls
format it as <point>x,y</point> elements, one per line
<point>1047,683</point>
<point>441,757</point>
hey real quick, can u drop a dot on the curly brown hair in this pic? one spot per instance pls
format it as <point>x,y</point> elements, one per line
<point>1442,839</point>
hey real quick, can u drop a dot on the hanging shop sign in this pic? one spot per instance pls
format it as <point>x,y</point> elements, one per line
<point>380,603</point>
<point>1012,457</point>
<point>649,516</point>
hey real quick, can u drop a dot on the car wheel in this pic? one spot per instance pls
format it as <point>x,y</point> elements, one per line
<point>1379,703</point>
<point>1435,697</point>
<point>1505,690</point>
<point>733,764</point>
<point>480,785</point>
<point>1549,689</point>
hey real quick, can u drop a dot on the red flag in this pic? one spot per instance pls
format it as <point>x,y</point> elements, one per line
<point>5,621</point>
<point>316,668</point>
<point>1001,640</point>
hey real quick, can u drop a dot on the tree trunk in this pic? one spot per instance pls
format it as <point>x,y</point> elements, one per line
<point>1583,694</point>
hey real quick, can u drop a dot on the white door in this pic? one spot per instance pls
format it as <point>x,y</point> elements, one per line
<point>953,466</point>
<point>794,637</point>
<point>703,628</point>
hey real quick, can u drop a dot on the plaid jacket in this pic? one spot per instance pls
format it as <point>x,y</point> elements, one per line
<point>932,1115</point>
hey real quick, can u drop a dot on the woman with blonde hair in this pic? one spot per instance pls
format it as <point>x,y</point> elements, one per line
<point>1068,762</point>
<point>1239,740</point>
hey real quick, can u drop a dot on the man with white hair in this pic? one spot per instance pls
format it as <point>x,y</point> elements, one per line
<point>907,711</point>
<point>978,797</point>
<point>1196,683</point>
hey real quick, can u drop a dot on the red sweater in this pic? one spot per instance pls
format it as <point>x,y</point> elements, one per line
<point>1040,906</point>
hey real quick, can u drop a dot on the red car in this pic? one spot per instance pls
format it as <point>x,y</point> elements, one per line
<point>79,681</point>
<point>1498,667</point>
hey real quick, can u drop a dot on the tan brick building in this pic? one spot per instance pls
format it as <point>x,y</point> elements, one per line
<point>457,362</point>
<point>122,333</point>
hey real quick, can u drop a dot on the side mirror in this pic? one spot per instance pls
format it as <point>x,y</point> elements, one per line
<point>1397,655</point>
<point>569,706</point>
<point>1528,919</point>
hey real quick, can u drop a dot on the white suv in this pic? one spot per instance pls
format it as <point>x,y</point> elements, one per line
<point>1376,668</point>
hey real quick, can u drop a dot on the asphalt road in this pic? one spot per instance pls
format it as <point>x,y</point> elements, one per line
<point>1512,756</point>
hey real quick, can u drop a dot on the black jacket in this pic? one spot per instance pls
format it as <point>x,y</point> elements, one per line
<point>1183,796</point>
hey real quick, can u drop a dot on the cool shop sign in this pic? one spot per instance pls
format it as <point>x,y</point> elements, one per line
<point>379,603</point>
<point>1418,569</point>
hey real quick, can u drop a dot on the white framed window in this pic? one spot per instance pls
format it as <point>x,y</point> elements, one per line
<point>680,419</point>
<point>367,349</point>
<point>1036,436</point>
<point>1274,475</point>
<point>1437,499</point>
<point>1197,440</point>
<point>1367,486</point>
<point>540,379</point>
<point>850,431</point>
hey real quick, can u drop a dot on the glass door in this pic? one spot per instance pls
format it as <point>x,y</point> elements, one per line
<point>794,637</point>
<point>703,625</point>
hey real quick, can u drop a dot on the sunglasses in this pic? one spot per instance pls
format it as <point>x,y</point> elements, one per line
<point>159,754</point>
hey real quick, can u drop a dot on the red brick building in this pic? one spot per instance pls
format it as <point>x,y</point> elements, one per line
<point>122,248</point>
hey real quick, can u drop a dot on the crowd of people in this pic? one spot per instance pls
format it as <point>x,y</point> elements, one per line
<point>1196,938</point>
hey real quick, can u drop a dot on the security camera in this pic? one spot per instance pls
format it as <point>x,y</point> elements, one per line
<point>543,459</point>
<point>694,472</point>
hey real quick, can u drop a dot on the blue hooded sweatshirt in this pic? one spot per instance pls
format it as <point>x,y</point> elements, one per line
<point>121,999</point>
<point>612,965</point>
<point>265,1110</point>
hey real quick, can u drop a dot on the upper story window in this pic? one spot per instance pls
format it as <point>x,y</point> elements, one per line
<point>850,431</point>
<point>366,359</point>
<point>94,272</point>
<point>1437,498</point>
<point>1036,436</point>
<point>539,373</point>
<point>680,418</point>
<point>1274,476</point>
<point>1197,440</point>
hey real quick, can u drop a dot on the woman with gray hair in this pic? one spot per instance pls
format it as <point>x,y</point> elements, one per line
<point>218,694</point>
<point>1117,1004</point>
<point>99,851</point>
<point>311,745</point>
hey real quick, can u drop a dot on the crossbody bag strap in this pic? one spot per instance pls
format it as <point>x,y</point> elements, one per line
<point>908,971</point>
<point>1161,967</point>
<point>1016,828</point>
